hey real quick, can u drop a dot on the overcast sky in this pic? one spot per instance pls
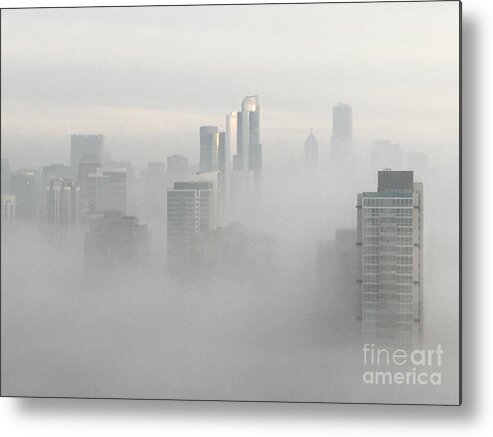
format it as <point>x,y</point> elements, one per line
<point>146,72</point>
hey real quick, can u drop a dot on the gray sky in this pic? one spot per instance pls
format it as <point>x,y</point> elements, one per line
<point>151,72</point>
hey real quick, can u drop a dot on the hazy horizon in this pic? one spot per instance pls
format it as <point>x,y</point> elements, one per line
<point>147,78</point>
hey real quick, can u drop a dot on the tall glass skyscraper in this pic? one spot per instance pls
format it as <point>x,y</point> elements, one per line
<point>249,149</point>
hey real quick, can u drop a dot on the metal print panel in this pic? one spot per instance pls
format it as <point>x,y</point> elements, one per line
<point>239,202</point>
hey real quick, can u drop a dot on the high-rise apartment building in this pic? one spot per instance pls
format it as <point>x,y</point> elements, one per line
<point>390,259</point>
<point>191,210</point>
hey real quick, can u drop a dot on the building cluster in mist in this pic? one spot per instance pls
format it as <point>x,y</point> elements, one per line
<point>378,264</point>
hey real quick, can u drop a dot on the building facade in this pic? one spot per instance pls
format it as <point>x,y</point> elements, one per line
<point>191,211</point>
<point>248,147</point>
<point>8,209</point>
<point>62,202</point>
<point>107,191</point>
<point>390,259</point>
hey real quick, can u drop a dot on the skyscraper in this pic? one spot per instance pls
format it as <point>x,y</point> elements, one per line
<point>24,186</point>
<point>311,149</point>
<point>342,124</point>
<point>86,168</point>
<point>390,253</point>
<point>231,133</point>
<point>107,190</point>
<point>209,148</point>
<point>62,201</point>
<point>249,149</point>
<point>87,148</point>
<point>191,210</point>
<point>55,171</point>
<point>224,167</point>
<point>342,138</point>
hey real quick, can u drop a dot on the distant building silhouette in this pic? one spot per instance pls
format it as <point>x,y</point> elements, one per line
<point>155,173</point>
<point>209,148</point>
<point>341,142</point>
<point>83,145</point>
<point>86,168</point>
<point>249,149</point>
<point>385,154</point>
<point>311,149</point>
<point>24,186</point>
<point>8,209</point>
<point>55,171</point>
<point>6,176</point>
<point>418,163</point>
<point>390,253</point>
<point>177,168</point>
<point>115,240</point>
<point>236,251</point>
<point>230,142</point>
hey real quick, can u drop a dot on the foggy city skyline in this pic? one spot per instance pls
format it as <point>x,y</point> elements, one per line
<point>141,78</point>
<point>229,202</point>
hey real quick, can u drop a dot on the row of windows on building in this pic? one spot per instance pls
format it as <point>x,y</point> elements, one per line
<point>388,297</point>
<point>395,250</point>
<point>385,268</point>
<point>396,202</point>
<point>390,240</point>
<point>386,259</point>
<point>394,307</point>
<point>387,316</point>
<point>387,230</point>
<point>389,277</point>
<point>382,221</point>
